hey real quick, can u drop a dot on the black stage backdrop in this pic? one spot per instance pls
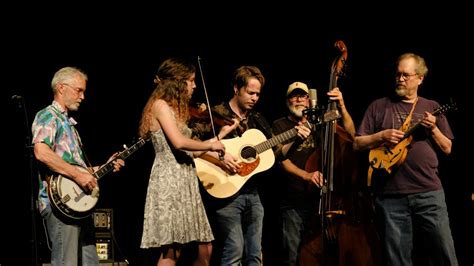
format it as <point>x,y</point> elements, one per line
<point>122,55</point>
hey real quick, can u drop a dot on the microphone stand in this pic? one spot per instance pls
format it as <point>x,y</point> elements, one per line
<point>33,178</point>
<point>317,118</point>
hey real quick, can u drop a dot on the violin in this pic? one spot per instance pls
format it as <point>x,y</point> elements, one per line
<point>199,111</point>
<point>200,114</point>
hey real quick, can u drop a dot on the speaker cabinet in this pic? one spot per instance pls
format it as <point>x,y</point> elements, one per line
<point>104,230</point>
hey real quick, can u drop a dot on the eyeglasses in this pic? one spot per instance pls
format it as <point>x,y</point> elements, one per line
<point>76,89</point>
<point>405,76</point>
<point>299,96</point>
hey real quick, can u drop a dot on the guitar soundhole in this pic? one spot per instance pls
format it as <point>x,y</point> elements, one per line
<point>249,153</point>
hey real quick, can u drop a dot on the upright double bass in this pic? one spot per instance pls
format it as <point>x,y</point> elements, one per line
<point>327,211</point>
<point>337,235</point>
<point>319,246</point>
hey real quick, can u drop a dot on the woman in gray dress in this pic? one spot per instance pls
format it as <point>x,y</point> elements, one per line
<point>174,213</point>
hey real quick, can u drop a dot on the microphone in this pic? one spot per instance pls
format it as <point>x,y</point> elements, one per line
<point>313,96</point>
<point>313,116</point>
<point>18,99</point>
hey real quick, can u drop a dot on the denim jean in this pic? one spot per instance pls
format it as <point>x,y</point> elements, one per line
<point>72,244</point>
<point>424,215</point>
<point>293,224</point>
<point>239,229</point>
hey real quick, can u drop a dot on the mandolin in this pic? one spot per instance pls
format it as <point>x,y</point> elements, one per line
<point>386,157</point>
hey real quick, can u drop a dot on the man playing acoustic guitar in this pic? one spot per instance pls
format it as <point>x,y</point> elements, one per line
<point>237,216</point>
<point>409,198</point>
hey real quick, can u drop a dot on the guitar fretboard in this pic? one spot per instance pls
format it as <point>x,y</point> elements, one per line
<point>276,140</point>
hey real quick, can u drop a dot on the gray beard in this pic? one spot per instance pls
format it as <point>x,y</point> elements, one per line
<point>296,112</point>
<point>401,91</point>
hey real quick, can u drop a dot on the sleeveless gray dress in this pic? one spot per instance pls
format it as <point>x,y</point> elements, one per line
<point>174,212</point>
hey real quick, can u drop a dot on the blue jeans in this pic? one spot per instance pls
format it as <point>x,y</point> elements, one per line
<point>239,229</point>
<point>72,244</point>
<point>293,224</point>
<point>400,217</point>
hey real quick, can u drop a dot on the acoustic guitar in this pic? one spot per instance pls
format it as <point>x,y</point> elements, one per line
<point>255,155</point>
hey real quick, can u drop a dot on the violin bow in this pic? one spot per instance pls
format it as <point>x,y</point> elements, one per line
<point>221,156</point>
<point>207,99</point>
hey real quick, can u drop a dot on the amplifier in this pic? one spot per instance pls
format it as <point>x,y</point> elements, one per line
<point>104,229</point>
<point>103,219</point>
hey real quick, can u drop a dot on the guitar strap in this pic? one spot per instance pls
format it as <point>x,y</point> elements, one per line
<point>263,125</point>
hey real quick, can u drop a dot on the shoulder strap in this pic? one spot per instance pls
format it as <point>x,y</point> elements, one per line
<point>265,126</point>
<point>406,123</point>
